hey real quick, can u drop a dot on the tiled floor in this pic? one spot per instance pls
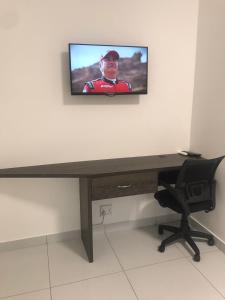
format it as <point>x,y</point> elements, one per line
<point>127,266</point>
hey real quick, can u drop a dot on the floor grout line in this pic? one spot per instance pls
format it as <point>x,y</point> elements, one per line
<point>120,264</point>
<point>187,258</point>
<point>117,272</point>
<point>148,264</point>
<point>86,279</point>
<point>25,293</point>
<point>123,270</point>
<point>49,275</point>
<point>154,264</point>
<point>212,285</point>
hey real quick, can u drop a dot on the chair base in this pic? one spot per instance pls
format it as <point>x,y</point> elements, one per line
<point>184,232</point>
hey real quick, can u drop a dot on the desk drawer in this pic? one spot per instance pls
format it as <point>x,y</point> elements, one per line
<point>123,185</point>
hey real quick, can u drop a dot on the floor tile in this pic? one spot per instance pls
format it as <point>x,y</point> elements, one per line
<point>68,262</point>
<point>110,287</point>
<point>139,247</point>
<point>212,266</point>
<point>41,295</point>
<point>23,270</point>
<point>172,280</point>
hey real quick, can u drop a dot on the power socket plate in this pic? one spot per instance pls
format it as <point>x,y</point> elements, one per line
<point>105,210</point>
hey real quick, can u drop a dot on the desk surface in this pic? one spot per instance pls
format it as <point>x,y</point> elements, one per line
<point>95,168</point>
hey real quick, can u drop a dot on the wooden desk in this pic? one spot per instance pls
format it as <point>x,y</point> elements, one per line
<point>101,179</point>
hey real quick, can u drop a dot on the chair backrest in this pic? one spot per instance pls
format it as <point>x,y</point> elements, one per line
<point>196,179</point>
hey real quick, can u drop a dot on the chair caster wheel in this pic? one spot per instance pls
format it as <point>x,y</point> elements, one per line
<point>161,248</point>
<point>211,241</point>
<point>160,230</point>
<point>196,257</point>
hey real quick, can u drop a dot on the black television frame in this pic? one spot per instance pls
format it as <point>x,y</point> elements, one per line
<point>106,94</point>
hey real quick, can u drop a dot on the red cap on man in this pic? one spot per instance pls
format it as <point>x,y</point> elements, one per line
<point>111,53</point>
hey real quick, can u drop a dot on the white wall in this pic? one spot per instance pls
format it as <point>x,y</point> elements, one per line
<point>41,123</point>
<point>208,122</point>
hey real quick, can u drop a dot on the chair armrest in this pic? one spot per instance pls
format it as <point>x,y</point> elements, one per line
<point>177,194</point>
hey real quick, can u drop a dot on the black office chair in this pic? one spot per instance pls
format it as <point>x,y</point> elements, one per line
<point>194,191</point>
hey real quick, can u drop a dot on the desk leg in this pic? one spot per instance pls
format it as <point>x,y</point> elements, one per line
<point>86,216</point>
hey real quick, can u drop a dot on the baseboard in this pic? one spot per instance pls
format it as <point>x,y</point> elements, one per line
<point>75,234</point>
<point>128,225</point>
<point>218,241</point>
<point>39,240</point>
<point>63,236</point>
<point>23,243</point>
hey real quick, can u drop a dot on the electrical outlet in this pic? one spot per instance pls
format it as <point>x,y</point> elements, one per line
<point>105,210</point>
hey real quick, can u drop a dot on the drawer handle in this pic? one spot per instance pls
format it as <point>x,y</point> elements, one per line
<point>124,186</point>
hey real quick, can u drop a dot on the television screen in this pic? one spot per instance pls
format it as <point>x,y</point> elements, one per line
<point>108,70</point>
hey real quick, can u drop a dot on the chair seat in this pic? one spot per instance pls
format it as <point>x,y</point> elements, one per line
<point>165,199</point>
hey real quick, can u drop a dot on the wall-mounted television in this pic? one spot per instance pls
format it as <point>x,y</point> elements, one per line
<point>108,69</point>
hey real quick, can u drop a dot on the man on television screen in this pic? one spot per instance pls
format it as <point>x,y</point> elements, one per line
<point>108,83</point>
